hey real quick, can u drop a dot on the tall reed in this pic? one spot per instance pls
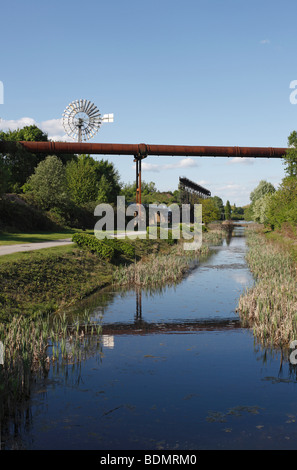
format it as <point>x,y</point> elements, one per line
<point>270,306</point>
<point>31,345</point>
<point>163,268</point>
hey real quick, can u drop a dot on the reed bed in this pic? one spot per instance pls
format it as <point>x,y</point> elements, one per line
<point>160,268</point>
<point>270,306</point>
<point>30,346</point>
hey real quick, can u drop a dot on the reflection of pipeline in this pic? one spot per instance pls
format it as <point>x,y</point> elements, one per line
<point>142,327</point>
<point>144,150</point>
<point>138,314</point>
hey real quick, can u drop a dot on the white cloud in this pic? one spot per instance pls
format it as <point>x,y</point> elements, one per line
<point>16,124</point>
<point>233,192</point>
<point>184,163</point>
<point>265,41</point>
<point>150,167</point>
<point>244,160</point>
<point>53,127</point>
<point>230,186</point>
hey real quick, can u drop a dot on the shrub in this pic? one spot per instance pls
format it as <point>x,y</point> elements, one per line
<point>121,247</point>
<point>106,248</point>
<point>48,183</point>
<point>91,243</point>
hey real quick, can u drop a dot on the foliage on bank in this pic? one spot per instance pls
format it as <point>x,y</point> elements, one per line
<point>277,207</point>
<point>106,248</point>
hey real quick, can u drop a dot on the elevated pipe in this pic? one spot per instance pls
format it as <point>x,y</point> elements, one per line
<point>144,150</point>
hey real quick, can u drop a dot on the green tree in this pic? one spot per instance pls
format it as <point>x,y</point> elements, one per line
<point>28,133</point>
<point>48,183</point>
<point>220,205</point>
<point>176,196</point>
<point>148,192</point>
<point>248,212</point>
<point>264,187</point>
<point>282,208</point>
<point>290,158</point>
<point>228,211</point>
<point>90,180</point>
<point>4,176</point>
<point>111,176</point>
<point>237,212</point>
<point>260,209</point>
<point>81,178</point>
<point>19,163</point>
<point>210,210</point>
<point>103,193</point>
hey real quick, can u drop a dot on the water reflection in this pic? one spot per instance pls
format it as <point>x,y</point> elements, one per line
<point>175,370</point>
<point>206,298</point>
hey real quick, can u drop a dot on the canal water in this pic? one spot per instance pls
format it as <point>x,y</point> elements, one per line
<point>176,371</point>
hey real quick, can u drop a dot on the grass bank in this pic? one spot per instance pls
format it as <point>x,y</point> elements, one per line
<point>53,279</point>
<point>48,280</point>
<point>8,238</point>
<point>270,306</point>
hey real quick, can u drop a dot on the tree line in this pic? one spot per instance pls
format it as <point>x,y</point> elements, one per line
<point>273,207</point>
<point>68,187</point>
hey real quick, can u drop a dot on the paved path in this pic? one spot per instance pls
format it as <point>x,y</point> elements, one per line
<point>8,249</point>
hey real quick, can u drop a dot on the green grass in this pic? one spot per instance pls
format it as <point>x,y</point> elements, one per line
<point>16,238</point>
<point>31,255</point>
<point>48,280</point>
<point>52,279</point>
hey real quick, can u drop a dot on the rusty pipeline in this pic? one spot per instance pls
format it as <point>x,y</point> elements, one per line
<point>144,150</point>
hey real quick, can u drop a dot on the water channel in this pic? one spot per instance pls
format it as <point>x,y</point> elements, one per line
<point>176,371</point>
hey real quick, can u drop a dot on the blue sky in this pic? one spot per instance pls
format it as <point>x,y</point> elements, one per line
<point>203,72</point>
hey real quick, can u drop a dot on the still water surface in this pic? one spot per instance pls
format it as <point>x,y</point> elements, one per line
<point>176,371</point>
